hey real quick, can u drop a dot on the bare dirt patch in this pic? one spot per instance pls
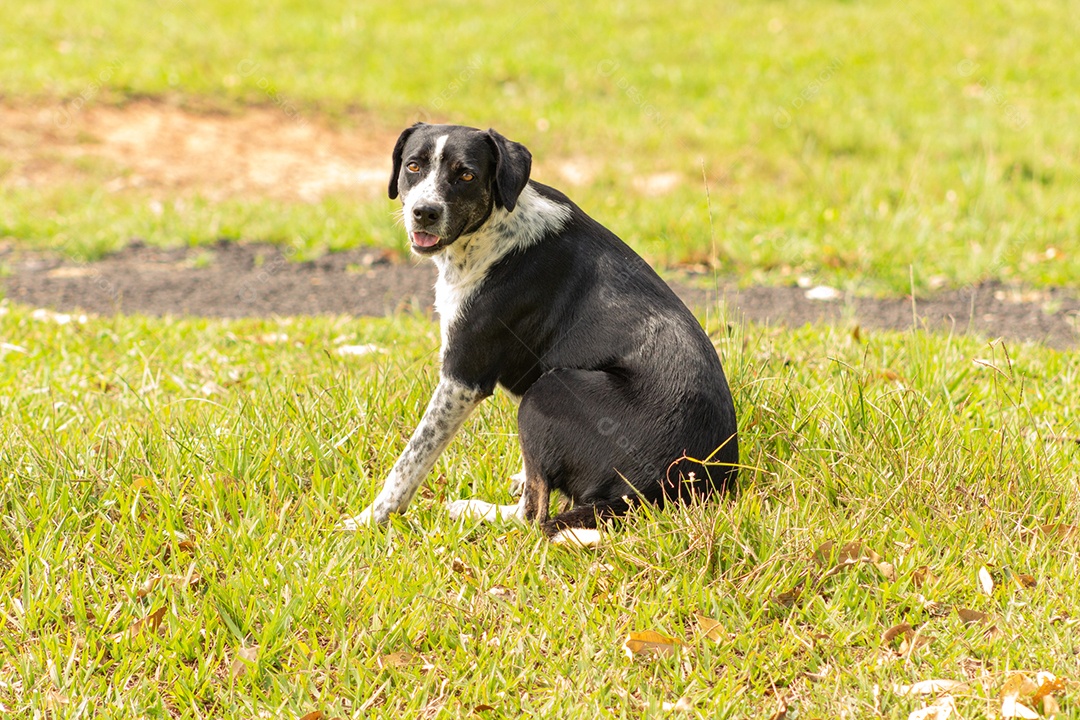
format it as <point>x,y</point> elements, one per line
<point>262,152</point>
<point>251,280</point>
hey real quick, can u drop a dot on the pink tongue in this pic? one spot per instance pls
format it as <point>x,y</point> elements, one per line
<point>423,239</point>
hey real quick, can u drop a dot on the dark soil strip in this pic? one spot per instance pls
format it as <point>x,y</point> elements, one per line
<point>245,280</point>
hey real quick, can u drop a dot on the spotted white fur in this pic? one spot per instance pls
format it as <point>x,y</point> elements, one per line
<point>449,406</point>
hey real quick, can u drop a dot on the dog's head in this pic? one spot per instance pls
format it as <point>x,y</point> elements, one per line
<point>450,178</point>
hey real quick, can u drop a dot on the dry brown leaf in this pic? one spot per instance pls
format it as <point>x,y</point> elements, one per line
<point>1025,581</point>
<point>1016,686</point>
<point>245,658</point>
<point>986,583</point>
<point>887,570</point>
<point>1048,684</point>
<point>458,565</point>
<point>972,616</point>
<point>148,587</point>
<point>187,546</point>
<point>931,687</point>
<point>913,643</point>
<point>314,715</point>
<point>781,713</point>
<point>941,709</point>
<point>501,591</point>
<point>483,707</point>
<point>142,482</point>
<point>397,660</point>
<point>896,631</point>
<point>650,643</point>
<point>1058,530</point>
<point>857,550</point>
<point>151,622</point>
<point>823,554</point>
<point>788,597</point>
<point>922,575</point>
<point>710,628</point>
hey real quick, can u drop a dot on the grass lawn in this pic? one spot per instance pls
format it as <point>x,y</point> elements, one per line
<point>908,511</point>
<point>851,141</point>
<point>170,490</point>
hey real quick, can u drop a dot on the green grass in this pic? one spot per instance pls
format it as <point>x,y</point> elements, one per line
<point>220,455</point>
<point>851,141</point>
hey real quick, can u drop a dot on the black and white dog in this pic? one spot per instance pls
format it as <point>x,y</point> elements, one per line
<point>621,395</point>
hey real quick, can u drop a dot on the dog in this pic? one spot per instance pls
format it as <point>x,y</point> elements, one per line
<point>621,396</point>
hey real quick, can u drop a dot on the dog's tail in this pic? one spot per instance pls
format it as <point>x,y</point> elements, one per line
<point>587,517</point>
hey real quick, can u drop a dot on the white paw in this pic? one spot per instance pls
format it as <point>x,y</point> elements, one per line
<point>476,510</point>
<point>368,518</point>
<point>460,509</point>
<point>517,484</point>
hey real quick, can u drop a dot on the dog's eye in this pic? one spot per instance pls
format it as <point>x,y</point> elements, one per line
<point>413,167</point>
<point>467,177</point>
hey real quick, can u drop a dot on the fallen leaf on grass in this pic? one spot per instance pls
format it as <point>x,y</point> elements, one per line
<point>397,660</point>
<point>245,660</point>
<point>1041,690</point>
<point>1024,580</point>
<point>788,597</point>
<point>314,715</point>
<point>458,565</point>
<point>857,550</point>
<point>781,713</point>
<point>190,580</point>
<point>931,687</point>
<point>818,676</point>
<point>151,622</point>
<point>1058,530</point>
<point>854,553</point>
<point>824,552</point>
<point>903,629</point>
<point>912,640</point>
<point>710,628</point>
<point>941,709</point>
<point>916,641</point>
<point>922,575</point>
<point>483,707</point>
<point>986,583</point>
<point>1011,707</point>
<point>887,570</point>
<point>969,616</point>
<point>650,643</point>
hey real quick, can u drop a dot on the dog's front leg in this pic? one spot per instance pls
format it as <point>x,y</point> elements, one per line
<point>449,406</point>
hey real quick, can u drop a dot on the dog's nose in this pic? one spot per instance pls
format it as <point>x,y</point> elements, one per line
<point>426,213</point>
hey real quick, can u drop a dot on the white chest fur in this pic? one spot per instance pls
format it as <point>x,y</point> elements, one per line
<point>464,265</point>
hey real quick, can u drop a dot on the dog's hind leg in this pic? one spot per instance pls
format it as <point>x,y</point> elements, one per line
<point>517,482</point>
<point>533,505</point>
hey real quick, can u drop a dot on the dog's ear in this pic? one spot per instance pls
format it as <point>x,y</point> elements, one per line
<point>399,149</point>
<point>513,162</point>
